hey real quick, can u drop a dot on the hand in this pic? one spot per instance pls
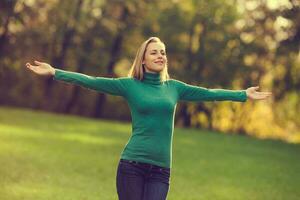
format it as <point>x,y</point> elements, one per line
<point>253,94</point>
<point>41,68</point>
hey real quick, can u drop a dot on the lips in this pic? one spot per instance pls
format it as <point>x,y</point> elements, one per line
<point>159,62</point>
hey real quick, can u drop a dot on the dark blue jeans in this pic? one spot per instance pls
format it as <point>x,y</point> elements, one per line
<point>141,181</point>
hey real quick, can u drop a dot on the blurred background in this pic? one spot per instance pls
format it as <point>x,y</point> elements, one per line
<point>230,44</point>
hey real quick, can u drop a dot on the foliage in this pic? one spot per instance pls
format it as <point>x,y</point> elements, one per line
<point>231,44</point>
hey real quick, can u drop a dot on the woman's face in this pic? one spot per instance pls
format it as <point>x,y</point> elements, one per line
<point>155,57</point>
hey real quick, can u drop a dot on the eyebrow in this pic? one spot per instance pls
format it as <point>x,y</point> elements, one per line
<point>156,50</point>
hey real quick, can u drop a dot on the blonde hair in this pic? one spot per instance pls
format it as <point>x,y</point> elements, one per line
<point>137,70</point>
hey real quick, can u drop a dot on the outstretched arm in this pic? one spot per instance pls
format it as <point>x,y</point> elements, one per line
<point>112,86</point>
<point>188,92</point>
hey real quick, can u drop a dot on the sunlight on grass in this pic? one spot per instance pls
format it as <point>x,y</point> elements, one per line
<point>25,191</point>
<point>88,139</point>
<point>73,158</point>
<point>13,131</point>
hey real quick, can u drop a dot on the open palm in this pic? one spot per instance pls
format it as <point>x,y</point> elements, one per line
<point>255,95</point>
<point>41,68</point>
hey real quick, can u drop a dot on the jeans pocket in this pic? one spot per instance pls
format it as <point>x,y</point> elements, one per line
<point>128,168</point>
<point>165,171</point>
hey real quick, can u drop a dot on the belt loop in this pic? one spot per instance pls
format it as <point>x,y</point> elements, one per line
<point>133,162</point>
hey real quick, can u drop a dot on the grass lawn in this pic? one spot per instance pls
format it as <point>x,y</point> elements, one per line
<point>54,157</point>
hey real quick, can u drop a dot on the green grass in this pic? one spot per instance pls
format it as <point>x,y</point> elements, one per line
<point>47,156</point>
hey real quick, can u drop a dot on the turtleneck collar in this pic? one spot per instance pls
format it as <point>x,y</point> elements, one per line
<point>151,78</point>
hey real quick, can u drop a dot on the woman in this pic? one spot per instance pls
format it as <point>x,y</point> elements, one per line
<point>144,168</point>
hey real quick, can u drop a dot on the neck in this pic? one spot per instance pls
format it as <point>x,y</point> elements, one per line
<point>152,78</point>
<point>151,72</point>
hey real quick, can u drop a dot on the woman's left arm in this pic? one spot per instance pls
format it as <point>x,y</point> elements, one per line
<point>188,92</point>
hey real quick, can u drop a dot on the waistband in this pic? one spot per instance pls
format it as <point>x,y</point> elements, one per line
<point>141,163</point>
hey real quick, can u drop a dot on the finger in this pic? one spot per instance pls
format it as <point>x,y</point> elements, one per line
<point>268,94</point>
<point>30,66</point>
<point>37,62</point>
<point>264,93</point>
<point>263,96</point>
<point>256,88</point>
<point>253,89</point>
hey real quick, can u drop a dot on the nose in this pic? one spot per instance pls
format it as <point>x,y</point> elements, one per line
<point>160,55</point>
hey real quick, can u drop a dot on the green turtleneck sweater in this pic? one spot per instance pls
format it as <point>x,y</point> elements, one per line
<point>152,104</point>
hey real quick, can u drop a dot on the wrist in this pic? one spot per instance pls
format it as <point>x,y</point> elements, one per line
<point>53,71</point>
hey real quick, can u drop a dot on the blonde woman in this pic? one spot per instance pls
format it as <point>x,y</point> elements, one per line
<point>144,167</point>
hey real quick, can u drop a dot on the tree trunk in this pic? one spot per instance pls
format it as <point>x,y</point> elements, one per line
<point>183,113</point>
<point>201,63</point>
<point>201,51</point>
<point>9,8</point>
<point>114,56</point>
<point>87,46</point>
<point>59,59</point>
<point>201,66</point>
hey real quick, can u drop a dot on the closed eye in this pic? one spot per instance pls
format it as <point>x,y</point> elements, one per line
<point>154,52</point>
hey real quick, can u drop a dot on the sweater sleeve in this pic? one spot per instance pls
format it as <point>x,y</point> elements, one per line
<point>188,92</point>
<point>113,86</point>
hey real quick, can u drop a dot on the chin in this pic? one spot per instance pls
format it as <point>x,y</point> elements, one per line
<point>157,69</point>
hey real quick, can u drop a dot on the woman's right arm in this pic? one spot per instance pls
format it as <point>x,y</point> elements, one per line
<point>112,86</point>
